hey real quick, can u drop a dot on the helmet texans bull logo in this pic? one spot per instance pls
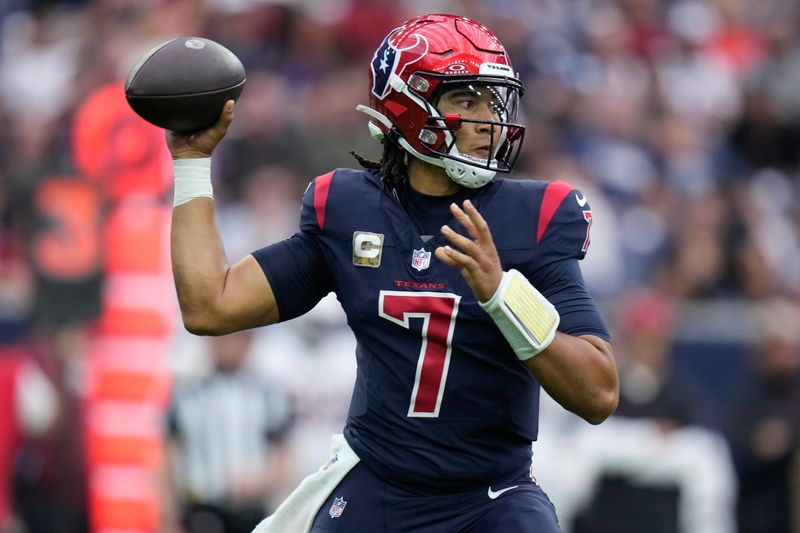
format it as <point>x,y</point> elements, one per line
<point>389,60</point>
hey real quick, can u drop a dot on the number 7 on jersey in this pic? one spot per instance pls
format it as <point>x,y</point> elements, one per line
<point>438,313</point>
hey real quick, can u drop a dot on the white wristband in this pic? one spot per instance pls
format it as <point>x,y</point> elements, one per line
<point>524,316</point>
<point>192,179</point>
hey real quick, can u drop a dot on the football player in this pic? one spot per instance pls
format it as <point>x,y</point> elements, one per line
<point>462,288</point>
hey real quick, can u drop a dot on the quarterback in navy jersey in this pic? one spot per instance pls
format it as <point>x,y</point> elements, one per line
<point>463,290</point>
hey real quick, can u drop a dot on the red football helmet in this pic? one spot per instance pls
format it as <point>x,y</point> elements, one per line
<point>421,60</point>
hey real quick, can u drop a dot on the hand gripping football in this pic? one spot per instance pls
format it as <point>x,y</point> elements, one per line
<point>182,84</point>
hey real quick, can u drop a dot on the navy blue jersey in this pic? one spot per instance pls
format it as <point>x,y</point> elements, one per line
<point>440,398</point>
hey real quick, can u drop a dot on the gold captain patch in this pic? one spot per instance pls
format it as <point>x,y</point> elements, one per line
<point>367,249</point>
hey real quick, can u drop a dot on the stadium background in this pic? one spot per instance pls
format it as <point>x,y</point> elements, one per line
<point>680,120</point>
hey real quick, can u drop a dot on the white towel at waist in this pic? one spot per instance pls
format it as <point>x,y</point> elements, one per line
<point>296,513</point>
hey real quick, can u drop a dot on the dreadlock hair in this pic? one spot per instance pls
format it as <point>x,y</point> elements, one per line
<point>392,165</point>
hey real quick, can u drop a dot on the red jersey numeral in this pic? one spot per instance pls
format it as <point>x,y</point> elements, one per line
<point>587,216</point>
<point>69,248</point>
<point>438,313</point>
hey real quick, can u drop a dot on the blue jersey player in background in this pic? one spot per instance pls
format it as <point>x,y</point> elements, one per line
<point>463,290</point>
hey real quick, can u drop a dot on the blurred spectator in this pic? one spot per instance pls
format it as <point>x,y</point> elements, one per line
<point>779,72</point>
<point>50,484</point>
<point>312,356</point>
<point>761,137</point>
<point>736,43</point>
<point>694,83</point>
<point>265,137</point>
<point>766,208</point>
<point>650,386</point>
<point>654,465</point>
<point>668,417</point>
<point>38,61</point>
<point>265,211</point>
<point>754,277</point>
<point>28,410</point>
<point>764,424</point>
<point>16,279</point>
<point>633,476</point>
<point>225,450</point>
<point>696,266</point>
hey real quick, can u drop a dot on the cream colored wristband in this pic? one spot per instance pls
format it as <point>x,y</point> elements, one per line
<point>192,179</point>
<point>524,316</point>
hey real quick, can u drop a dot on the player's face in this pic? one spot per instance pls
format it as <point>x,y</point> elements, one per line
<point>476,102</point>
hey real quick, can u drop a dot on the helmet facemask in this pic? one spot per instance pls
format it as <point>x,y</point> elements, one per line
<point>477,100</point>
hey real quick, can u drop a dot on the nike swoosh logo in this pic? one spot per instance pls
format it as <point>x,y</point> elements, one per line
<point>494,494</point>
<point>580,199</point>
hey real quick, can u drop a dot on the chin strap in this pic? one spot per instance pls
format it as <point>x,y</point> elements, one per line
<point>524,316</point>
<point>466,175</point>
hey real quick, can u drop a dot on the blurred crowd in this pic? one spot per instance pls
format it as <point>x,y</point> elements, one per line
<point>679,120</point>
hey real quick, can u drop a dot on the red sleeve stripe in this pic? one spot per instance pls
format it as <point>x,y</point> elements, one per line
<point>321,187</point>
<point>554,194</point>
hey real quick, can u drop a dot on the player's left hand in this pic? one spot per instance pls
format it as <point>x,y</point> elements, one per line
<point>477,257</point>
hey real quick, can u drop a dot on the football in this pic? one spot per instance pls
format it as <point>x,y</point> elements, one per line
<point>182,84</point>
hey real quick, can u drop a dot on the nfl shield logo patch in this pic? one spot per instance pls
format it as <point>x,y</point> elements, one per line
<point>421,259</point>
<point>337,508</point>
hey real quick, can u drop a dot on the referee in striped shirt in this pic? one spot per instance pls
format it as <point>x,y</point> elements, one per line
<point>225,449</point>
